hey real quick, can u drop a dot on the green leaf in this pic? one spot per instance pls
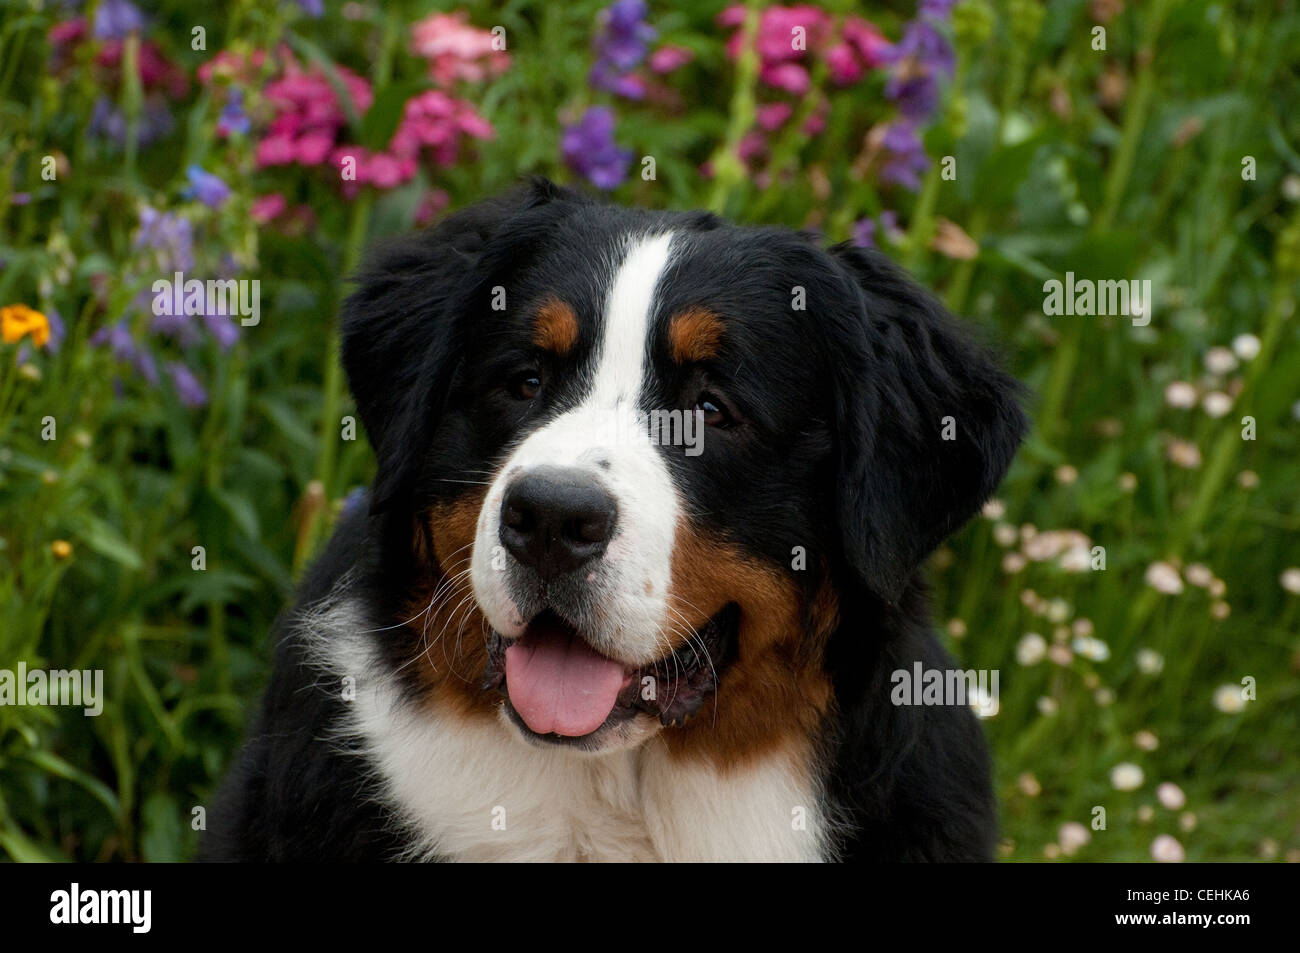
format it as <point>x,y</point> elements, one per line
<point>162,838</point>
<point>385,113</point>
<point>104,539</point>
<point>26,851</point>
<point>240,511</point>
<point>60,768</point>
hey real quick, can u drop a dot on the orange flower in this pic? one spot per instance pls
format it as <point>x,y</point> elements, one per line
<point>18,320</point>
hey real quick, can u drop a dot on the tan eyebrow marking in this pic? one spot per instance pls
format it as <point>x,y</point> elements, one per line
<point>555,328</point>
<point>694,335</point>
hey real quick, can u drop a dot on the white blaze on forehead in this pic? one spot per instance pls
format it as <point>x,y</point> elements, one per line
<point>625,342</point>
<point>603,434</point>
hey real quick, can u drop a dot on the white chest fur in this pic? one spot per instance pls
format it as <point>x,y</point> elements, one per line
<point>476,791</point>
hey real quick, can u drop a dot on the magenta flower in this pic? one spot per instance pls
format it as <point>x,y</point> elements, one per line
<point>668,58</point>
<point>861,48</point>
<point>267,207</point>
<point>786,35</point>
<point>309,116</point>
<point>772,116</point>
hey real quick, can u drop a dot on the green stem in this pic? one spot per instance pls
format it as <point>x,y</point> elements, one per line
<point>728,169</point>
<point>332,390</point>
<point>1135,118</point>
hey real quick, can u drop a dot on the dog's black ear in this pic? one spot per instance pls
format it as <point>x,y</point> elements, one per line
<point>927,422</point>
<point>398,328</point>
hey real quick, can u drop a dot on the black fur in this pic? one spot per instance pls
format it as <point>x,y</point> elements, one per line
<point>838,449</point>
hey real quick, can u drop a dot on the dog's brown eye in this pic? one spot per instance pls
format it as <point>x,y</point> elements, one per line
<point>714,410</point>
<point>525,386</point>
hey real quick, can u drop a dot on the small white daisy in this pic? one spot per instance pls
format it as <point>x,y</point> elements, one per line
<point>1165,849</point>
<point>1171,796</point>
<point>1126,776</point>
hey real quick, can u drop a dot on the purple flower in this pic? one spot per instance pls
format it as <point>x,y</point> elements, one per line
<point>625,36</point>
<point>935,9</point>
<point>188,389</point>
<point>906,158</point>
<point>313,8</point>
<point>628,85</point>
<point>621,44</point>
<point>169,235</point>
<point>108,122</point>
<point>233,119</point>
<point>921,56</point>
<point>590,150</point>
<point>118,339</point>
<point>864,233</point>
<point>122,346</point>
<point>179,327</point>
<point>58,330</point>
<point>206,187</point>
<point>143,364</point>
<point>223,330</point>
<point>354,500</point>
<point>114,19</point>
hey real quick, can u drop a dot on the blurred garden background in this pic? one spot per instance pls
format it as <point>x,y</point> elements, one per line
<point>164,479</point>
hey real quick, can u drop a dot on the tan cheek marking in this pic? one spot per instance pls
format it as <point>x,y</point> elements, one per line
<point>555,329</point>
<point>694,335</point>
<point>775,693</point>
<point>450,637</point>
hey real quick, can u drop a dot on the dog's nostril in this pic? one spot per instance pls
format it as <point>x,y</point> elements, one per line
<point>555,519</point>
<point>591,530</point>
<point>516,518</point>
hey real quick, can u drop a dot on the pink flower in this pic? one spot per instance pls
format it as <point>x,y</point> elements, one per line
<point>436,121</point>
<point>845,67</point>
<point>275,150</point>
<point>312,148</point>
<point>788,36</point>
<point>309,115</point>
<point>779,28</point>
<point>752,145</point>
<point>772,116</point>
<point>790,77</point>
<point>456,50</point>
<point>869,42</point>
<point>668,58</point>
<point>861,47</point>
<point>267,207</point>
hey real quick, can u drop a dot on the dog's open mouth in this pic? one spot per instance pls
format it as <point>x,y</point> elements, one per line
<point>559,687</point>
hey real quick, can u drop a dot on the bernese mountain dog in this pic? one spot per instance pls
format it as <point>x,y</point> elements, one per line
<point>640,558</point>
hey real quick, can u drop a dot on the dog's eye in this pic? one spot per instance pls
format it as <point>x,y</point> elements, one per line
<point>714,410</point>
<point>524,385</point>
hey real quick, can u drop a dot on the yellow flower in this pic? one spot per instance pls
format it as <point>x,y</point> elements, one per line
<point>18,320</point>
<point>61,549</point>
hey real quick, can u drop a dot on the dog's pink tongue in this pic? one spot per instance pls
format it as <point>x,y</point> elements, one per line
<point>558,683</point>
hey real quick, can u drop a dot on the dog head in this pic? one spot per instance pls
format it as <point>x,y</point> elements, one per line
<point>631,455</point>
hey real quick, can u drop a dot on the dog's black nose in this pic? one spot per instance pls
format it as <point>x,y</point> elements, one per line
<point>555,519</point>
